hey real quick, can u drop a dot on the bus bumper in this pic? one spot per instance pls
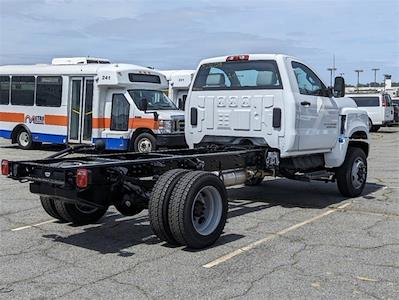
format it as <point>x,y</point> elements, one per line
<point>171,140</point>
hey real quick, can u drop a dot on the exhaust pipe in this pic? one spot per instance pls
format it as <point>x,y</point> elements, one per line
<point>233,177</point>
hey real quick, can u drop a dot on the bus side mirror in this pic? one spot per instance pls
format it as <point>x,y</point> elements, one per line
<point>180,104</point>
<point>339,87</point>
<point>144,104</point>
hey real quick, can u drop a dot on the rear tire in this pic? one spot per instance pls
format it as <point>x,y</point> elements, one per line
<point>79,214</point>
<point>49,207</point>
<point>158,205</point>
<point>24,140</point>
<point>375,128</point>
<point>352,175</point>
<point>198,209</point>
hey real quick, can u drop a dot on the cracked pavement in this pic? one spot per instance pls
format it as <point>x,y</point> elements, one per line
<point>351,253</point>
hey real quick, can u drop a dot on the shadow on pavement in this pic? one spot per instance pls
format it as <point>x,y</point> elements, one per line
<point>116,233</point>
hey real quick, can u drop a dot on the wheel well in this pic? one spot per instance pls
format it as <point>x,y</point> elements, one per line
<point>16,130</point>
<point>362,145</point>
<point>359,135</point>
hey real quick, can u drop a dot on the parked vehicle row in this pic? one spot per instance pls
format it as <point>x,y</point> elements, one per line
<point>378,106</point>
<point>248,116</point>
<point>81,101</point>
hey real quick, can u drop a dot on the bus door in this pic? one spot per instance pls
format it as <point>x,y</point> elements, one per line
<point>80,110</point>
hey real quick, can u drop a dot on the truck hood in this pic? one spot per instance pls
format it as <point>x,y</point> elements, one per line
<point>170,114</point>
<point>345,102</point>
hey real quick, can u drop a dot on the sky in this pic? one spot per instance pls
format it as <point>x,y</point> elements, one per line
<point>362,34</point>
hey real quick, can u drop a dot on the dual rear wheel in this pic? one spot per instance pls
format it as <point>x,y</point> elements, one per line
<point>188,208</point>
<point>71,212</point>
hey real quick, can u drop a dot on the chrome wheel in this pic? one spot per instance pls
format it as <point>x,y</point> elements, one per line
<point>144,145</point>
<point>24,139</point>
<point>206,210</point>
<point>358,173</point>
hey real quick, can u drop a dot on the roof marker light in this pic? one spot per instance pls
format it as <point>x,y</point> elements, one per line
<point>237,57</point>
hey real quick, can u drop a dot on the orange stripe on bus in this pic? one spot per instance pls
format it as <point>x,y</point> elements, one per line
<point>56,120</point>
<point>99,123</point>
<point>12,117</point>
<point>143,122</point>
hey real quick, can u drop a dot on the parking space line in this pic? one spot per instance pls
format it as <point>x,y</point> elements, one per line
<point>252,245</point>
<point>33,225</point>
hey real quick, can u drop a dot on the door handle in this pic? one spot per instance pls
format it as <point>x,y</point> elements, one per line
<point>305,103</point>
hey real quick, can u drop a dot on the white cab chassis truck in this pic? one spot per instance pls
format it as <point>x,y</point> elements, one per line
<point>247,117</point>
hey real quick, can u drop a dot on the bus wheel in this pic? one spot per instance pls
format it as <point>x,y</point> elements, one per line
<point>24,140</point>
<point>159,204</point>
<point>79,214</point>
<point>198,209</point>
<point>145,142</point>
<point>49,207</point>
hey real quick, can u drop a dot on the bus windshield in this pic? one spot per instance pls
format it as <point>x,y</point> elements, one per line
<point>157,100</point>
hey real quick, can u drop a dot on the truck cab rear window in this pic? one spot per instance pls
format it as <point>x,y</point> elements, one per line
<point>238,75</point>
<point>367,101</point>
<point>133,77</point>
<point>23,90</point>
<point>49,91</point>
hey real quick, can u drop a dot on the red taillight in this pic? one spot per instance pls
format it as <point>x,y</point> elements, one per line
<point>237,57</point>
<point>82,178</point>
<point>384,103</point>
<point>5,167</point>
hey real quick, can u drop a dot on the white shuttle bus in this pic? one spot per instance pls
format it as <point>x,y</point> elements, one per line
<point>179,84</point>
<point>82,100</point>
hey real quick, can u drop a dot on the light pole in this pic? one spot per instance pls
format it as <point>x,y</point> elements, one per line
<point>375,74</point>
<point>358,75</point>
<point>332,70</point>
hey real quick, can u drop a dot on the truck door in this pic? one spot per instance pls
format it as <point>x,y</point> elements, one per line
<point>317,127</point>
<point>80,110</point>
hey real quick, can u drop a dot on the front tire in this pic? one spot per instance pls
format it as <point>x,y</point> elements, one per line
<point>79,214</point>
<point>198,209</point>
<point>374,128</point>
<point>352,175</point>
<point>145,142</point>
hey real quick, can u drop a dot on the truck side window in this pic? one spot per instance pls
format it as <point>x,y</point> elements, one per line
<point>119,112</point>
<point>308,82</point>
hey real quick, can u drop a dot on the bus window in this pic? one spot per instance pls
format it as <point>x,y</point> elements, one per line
<point>4,89</point>
<point>22,90</point>
<point>119,113</point>
<point>49,91</point>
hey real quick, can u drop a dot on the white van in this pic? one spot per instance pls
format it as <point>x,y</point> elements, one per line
<point>80,101</point>
<point>179,83</point>
<point>378,106</point>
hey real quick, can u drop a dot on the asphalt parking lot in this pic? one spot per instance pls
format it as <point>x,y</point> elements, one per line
<point>283,239</point>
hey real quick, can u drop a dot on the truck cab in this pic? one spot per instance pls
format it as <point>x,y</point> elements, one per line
<point>276,101</point>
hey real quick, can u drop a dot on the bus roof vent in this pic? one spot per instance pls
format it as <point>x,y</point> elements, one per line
<point>79,61</point>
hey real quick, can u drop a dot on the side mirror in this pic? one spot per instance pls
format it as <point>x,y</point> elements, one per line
<point>144,104</point>
<point>339,86</point>
<point>180,104</point>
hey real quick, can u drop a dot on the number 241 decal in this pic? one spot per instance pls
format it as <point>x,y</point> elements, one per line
<point>106,77</point>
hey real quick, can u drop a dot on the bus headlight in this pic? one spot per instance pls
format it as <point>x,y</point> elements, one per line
<point>165,126</point>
